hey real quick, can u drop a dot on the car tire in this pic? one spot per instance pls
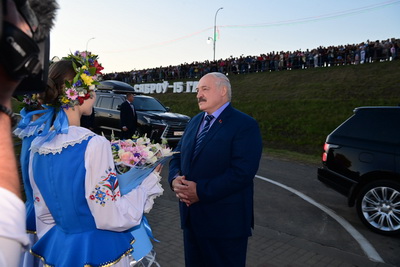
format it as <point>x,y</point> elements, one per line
<point>378,206</point>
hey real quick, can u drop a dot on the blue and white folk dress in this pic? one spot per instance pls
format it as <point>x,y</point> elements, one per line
<point>81,216</point>
<point>27,135</point>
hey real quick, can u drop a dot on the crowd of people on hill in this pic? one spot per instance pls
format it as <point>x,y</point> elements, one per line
<point>365,52</point>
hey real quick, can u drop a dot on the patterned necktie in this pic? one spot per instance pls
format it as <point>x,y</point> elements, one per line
<point>203,132</point>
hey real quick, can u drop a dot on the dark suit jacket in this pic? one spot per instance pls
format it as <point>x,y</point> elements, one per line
<point>128,119</point>
<point>224,169</point>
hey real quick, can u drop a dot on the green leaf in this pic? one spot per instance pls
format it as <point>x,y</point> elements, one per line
<point>76,78</point>
<point>67,84</point>
<point>92,71</point>
<point>74,65</point>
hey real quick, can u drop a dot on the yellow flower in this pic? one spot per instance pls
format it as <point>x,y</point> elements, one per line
<point>84,67</point>
<point>64,100</point>
<point>88,80</point>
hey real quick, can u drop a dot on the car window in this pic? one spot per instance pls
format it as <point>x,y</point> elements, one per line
<point>375,125</point>
<point>148,104</point>
<point>105,102</point>
<point>117,102</point>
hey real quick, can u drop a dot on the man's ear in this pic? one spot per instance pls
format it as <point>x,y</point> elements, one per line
<point>224,91</point>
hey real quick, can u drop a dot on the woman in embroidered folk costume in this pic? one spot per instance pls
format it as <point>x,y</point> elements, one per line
<point>81,216</point>
<point>27,129</point>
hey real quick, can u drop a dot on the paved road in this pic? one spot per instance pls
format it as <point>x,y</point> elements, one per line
<point>289,230</point>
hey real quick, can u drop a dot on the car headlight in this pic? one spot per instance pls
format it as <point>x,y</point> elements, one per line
<point>151,120</point>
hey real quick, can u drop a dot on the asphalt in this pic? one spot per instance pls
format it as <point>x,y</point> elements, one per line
<point>266,247</point>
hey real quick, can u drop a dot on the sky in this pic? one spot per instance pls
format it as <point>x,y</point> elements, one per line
<point>134,35</point>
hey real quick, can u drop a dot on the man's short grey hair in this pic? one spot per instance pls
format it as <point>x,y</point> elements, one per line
<point>222,80</point>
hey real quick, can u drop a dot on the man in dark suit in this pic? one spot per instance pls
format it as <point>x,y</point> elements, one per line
<point>128,117</point>
<point>213,178</point>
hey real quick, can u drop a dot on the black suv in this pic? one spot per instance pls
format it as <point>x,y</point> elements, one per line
<point>361,160</point>
<point>153,118</point>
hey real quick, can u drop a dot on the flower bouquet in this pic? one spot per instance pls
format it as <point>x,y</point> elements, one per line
<point>135,159</point>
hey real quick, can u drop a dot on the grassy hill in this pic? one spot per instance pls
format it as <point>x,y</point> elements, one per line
<point>297,109</point>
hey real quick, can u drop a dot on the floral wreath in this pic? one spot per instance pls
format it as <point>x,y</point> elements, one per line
<point>88,71</point>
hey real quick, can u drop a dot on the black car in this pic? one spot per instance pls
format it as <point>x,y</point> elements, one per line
<point>153,118</point>
<point>361,160</point>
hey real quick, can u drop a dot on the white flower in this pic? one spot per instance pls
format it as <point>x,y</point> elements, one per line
<point>158,146</point>
<point>149,152</point>
<point>152,160</point>
<point>141,141</point>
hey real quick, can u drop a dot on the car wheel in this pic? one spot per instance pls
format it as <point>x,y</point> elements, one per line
<point>378,206</point>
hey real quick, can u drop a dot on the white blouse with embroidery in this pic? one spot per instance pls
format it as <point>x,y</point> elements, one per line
<point>113,212</point>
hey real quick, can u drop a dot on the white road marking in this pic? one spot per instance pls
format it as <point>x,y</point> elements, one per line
<point>368,249</point>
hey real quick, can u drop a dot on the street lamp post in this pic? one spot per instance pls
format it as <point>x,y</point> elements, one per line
<point>87,43</point>
<point>215,28</point>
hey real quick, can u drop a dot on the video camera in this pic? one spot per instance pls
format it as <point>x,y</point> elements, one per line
<point>26,58</point>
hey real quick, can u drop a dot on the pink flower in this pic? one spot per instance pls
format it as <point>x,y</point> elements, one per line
<point>72,94</point>
<point>126,157</point>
